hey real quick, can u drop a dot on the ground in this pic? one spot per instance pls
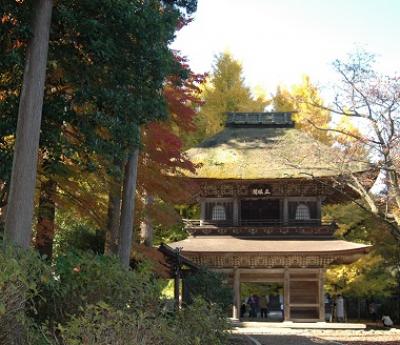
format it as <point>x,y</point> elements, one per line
<point>322,337</point>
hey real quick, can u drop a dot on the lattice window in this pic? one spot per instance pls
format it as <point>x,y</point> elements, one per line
<point>224,211</point>
<point>302,212</point>
<point>218,213</point>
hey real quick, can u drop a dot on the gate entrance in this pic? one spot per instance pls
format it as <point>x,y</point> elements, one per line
<point>270,302</point>
<point>298,293</point>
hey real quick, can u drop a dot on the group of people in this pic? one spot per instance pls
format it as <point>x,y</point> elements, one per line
<point>335,310</point>
<point>255,305</point>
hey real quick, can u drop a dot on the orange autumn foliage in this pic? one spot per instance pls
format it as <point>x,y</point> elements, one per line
<point>162,158</point>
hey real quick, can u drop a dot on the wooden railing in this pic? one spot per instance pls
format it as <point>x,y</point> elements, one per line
<point>256,222</point>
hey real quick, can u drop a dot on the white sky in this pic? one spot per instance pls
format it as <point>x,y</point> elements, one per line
<point>278,41</point>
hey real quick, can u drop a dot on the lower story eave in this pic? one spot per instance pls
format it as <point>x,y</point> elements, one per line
<point>242,253</point>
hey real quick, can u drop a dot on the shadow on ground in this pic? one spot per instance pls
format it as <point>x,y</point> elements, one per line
<point>291,340</point>
<point>302,340</point>
<point>371,342</point>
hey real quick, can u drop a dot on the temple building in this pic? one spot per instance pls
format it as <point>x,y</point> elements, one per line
<point>261,185</point>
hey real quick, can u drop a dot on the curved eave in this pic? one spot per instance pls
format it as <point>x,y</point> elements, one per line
<point>261,170</point>
<point>345,252</point>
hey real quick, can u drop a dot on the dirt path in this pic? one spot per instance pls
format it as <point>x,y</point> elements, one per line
<point>338,337</point>
<point>289,340</point>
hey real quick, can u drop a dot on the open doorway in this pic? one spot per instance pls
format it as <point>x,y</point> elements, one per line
<point>261,302</point>
<point>260,211</point>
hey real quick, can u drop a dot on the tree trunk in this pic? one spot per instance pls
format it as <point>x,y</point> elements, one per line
<point>18,224</point>
<point>146,226</point>
<point>3,204</point>
<point>114,211</point>
<point>128,208</point>
<point>45,228</point>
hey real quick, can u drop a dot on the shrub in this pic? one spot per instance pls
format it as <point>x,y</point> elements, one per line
<point>21,275</point>
<point>84,298</point>
<point>211,286</point>
<point>76,235</point>
<point>84,278</point>
<point>103,325</point>
<point>200,323</point>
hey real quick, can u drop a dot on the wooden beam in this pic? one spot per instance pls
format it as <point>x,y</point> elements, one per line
<point>304,304</point>
<point>262,270</point>
<point>236,293</point>
<point>304,279</point>
<point>236,206</point>
<point>255,271</point>
<point>286,295</point>
<point>321,295</point>
<point>177,293</point>
<point>202,211</point>
<point>285,211</point>
<point>304,270</point>
<point>252,279</point>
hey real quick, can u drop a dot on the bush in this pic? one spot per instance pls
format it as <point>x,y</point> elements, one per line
<point>84,278</point>
<point>211,286</point>
<point>22,273</point>
<point>77,235</point>
<point>110,305</point>
<point>200,323</point>
<point>84,298</point>
<point>103,325</point>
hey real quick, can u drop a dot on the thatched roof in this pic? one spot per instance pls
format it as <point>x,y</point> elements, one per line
<point>266,151</point>
<point>231,244</point>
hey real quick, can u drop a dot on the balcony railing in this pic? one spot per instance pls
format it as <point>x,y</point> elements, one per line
<point>256,222</point>
<point>263,228</point>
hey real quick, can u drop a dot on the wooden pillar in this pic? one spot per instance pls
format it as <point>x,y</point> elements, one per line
<point>321,296</point>
<point>285,211</point>
<point>202,211</point>
<point>185,295</point>
<point>235,211</point>
<point>236,293</point>
<point>319,206</point>
<point>177,279</point>
<point>286,295</point>
<point>177,293</point>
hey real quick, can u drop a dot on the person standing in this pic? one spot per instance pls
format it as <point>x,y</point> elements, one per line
<point>263,307</point>
<point>373,311</point>
<point>254,305</point>
<point>243,309</point>
<point>340,308</point>
<point>257,300</point>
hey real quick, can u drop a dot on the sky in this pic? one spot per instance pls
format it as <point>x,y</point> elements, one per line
<point>278,41</point>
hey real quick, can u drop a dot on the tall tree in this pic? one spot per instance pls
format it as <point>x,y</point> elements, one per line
<point>128,208</point>
<point>372,100</point>
<point>225,91</point>
<point>45,229</point>
<point>163,158</point>
<point>18,224</point>
<point>105,82</point>
<point>302,99</point>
